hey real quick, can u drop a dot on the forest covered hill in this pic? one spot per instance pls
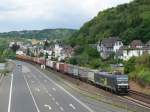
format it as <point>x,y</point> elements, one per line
<point>128,21</point>
<point>40,34</point>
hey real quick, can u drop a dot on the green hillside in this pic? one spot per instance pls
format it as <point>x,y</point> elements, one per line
<point>128,21</point>
<point>40,34</point>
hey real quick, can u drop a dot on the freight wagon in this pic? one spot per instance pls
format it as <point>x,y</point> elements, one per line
<point>91,74</point>
<point>75,71</point>
<point>83,73</point>
<point>70,69</point>
<point>61,67</point>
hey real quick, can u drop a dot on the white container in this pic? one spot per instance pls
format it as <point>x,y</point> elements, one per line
<point>83,73</point>
<point>76,71</point>
<point>57,66</point>
<point>70,69</point>
<point>91,75</point>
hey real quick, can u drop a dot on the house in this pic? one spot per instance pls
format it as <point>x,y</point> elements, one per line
<point>136,44</point>
<point>147,44</point>
<point>19,52</point>
<point>136,48</point>
<point>61,52</point>
<point>109,46</point>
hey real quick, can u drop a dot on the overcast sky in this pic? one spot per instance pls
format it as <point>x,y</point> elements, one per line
<point>43,14</point>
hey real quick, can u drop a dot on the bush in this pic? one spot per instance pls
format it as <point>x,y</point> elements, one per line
<point>2,60</point>
<point>95,63</point>
<point>130,65</point>
<point>73,60</point>
<point>144,78</point>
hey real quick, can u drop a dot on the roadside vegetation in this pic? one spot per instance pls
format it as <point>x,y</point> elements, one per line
<point>5,52</point>
<point>138,69</point>
<point>86,56</point>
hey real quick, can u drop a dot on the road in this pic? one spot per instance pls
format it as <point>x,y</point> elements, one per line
<point>30,90</point>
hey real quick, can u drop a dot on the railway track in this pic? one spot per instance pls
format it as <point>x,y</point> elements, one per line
<point>139,98</point>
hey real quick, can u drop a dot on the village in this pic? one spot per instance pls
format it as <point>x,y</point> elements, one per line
<point>106,48</point>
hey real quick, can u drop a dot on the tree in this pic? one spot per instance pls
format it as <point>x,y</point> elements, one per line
<point>15,47</point>
<point>46,55</point>
<point>28,51</point>
<point>46,45</point>
<point>130,65</point>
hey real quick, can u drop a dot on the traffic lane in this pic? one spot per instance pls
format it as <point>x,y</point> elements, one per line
<point>63,105</point>
<point>98,106</point>
<point>61,100</point>
<point>44,101</point>
<point>69,102</point>
<point>21,97</point>
<point>4,93</point>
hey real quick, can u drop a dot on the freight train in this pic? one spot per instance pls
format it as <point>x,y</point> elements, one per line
<point>115,82</point>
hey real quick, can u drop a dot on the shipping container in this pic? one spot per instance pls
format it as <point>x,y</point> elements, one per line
<point>54,65</point>
<point>91,75</point>
<point>66,68</point>
<point>42,61</point>
<point>75,71</point>
<point>48,63</point>
<point>51,64</point>
<point>35,59</point>
<point>70,69</point>
<point>61,67</point>
<point>83,73</point>
<point>57,66</point>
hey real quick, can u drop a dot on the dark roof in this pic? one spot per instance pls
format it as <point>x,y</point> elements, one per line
<point>148,44</point>
<point>109,42</point>
<point>120,51</point>
<point>136,43</point>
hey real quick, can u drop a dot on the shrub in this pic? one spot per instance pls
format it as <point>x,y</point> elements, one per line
<point>130,65</point>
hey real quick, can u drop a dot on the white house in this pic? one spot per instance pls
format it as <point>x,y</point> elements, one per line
<point>57,50</point>
<point>19,52</point>
<point>109,46</point>
<point>61,52</point>
<point>136,48</point>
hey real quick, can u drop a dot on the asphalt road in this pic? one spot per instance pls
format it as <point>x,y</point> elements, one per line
<point>29,90</point>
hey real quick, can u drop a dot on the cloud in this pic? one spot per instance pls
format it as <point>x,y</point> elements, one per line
<point>38,14</point>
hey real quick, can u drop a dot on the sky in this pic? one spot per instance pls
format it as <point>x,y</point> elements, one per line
<point>18,15</point>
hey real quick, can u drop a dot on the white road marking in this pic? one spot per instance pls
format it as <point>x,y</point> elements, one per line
<point>31,95</point>
<point>48,106</point>
<point>53,99</point>
<point>84,105</point>
<point>72,106</point>
<point>61,108</point>
<point>53,89</point>
<point>49,94</point>
<point>10,93</point>
<point>57,103</point>
<point>37,89</point>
